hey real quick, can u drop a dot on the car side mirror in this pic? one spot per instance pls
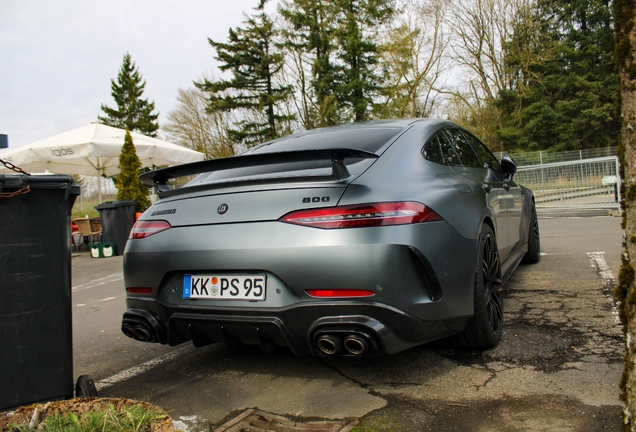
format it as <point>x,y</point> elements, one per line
<point>508,166</point>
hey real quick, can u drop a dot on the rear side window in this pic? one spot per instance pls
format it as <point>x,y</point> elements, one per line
<point>439,149</point>
<point>463,149</point>
<point>432,151</point>
<point>482,151</point>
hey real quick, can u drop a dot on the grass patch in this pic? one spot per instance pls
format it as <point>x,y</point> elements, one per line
<point>90,415</point>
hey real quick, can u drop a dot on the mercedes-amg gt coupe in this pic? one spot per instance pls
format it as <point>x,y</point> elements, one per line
<point>359,239</point>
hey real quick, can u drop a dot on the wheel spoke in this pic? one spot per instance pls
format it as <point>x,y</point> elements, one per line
<point>496,313</point>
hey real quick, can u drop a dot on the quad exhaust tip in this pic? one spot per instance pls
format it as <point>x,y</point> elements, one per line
<point>329,344</point>
<point>142,326</point>
<point>354,344</point>
<point>142,334</point>
<point>138,332</point>
<point>128,331</point>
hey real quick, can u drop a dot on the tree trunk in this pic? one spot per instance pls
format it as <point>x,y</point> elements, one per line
<point>625,24</point>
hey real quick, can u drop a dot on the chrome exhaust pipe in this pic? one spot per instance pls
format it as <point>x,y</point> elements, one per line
<point>356,345</point>
<point>143,334</point>
<point>128,331</point>
<point>328,344</point>
<point>143,326</point>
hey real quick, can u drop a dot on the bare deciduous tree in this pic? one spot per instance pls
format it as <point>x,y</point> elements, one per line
<point>192,126</point>
<point>414,56</point>
<point>480,29</point>
<point>490,36</point>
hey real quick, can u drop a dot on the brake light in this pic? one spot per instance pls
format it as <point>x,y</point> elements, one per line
<point>139,290</point>
<point>340,293</point>
<point>363,215</point>
<point>143,229</point>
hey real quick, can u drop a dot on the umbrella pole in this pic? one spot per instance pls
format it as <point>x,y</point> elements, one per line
<point>99,188</point>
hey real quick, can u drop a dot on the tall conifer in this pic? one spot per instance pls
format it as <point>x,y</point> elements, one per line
<point>341,36</point>
<point>313,28</point>
<point>132,111</point>
<point>567,102</point>
<point>251,56</point>
<point>359,78</point>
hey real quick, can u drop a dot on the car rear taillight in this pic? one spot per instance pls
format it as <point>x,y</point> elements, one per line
<point>330,293</point>
<point>363,215</point>
<point>143,229</point>
<point>139,290</point>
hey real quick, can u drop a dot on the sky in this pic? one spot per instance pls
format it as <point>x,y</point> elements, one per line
<point>57,58</point>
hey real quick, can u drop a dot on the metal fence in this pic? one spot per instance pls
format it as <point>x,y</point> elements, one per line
<point>544,157</point>
<point>590,182</point>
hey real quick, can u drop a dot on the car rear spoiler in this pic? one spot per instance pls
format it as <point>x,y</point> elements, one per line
<point>159,178</point>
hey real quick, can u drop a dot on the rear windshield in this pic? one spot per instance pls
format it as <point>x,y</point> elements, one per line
<point>368,139</point>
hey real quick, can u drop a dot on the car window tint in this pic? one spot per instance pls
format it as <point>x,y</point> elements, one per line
<point>361,138</point>
<point>432,151</point>
<point>370,139</point>
<point>448,150</point>
<point>482,151</point>
<point>464,149</point>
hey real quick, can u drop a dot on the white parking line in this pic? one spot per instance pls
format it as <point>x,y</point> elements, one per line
<point>599,263</point>
<point>101,281</point>
<point>97,301</point>
<point>138,370</point>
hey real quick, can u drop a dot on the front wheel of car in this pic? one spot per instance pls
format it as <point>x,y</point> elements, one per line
<point>485,328</point>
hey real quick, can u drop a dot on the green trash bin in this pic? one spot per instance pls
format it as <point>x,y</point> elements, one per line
<point>36,335</point>
<point>102,250</point>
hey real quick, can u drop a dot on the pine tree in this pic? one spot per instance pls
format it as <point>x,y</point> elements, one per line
<point>129,187</point>
<point>570,103</point>
<point>313,31</point>
<point>251,55</point>
<point>340,36</point>
<point>132,111</point>
<point>359,76</point>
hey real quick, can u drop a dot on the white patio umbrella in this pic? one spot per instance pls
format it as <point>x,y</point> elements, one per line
<point>94,150</point>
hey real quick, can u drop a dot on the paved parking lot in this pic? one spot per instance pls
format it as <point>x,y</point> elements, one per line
<point>557,367</point>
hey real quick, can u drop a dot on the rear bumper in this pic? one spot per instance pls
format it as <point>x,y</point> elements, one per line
<point>386,329</point>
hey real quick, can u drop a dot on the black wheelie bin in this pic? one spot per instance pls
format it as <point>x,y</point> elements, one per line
<point>36,334</point>
<point>117,219</point>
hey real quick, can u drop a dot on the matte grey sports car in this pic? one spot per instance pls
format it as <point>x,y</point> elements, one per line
<point>365,238</point>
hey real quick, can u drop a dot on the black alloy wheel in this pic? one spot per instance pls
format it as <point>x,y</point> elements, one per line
<point>485,328</point>
<point>493,290</point>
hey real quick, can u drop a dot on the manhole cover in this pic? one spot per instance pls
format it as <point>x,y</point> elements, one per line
<point>254,420</point>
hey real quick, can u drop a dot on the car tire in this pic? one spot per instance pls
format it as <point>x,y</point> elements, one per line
<point>485,328</point>
<point>533,255</point>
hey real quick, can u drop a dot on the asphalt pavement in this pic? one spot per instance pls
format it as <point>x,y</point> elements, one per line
<point>557,367</point>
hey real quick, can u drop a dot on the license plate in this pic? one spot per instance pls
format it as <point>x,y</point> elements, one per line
<point>224,287</point>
